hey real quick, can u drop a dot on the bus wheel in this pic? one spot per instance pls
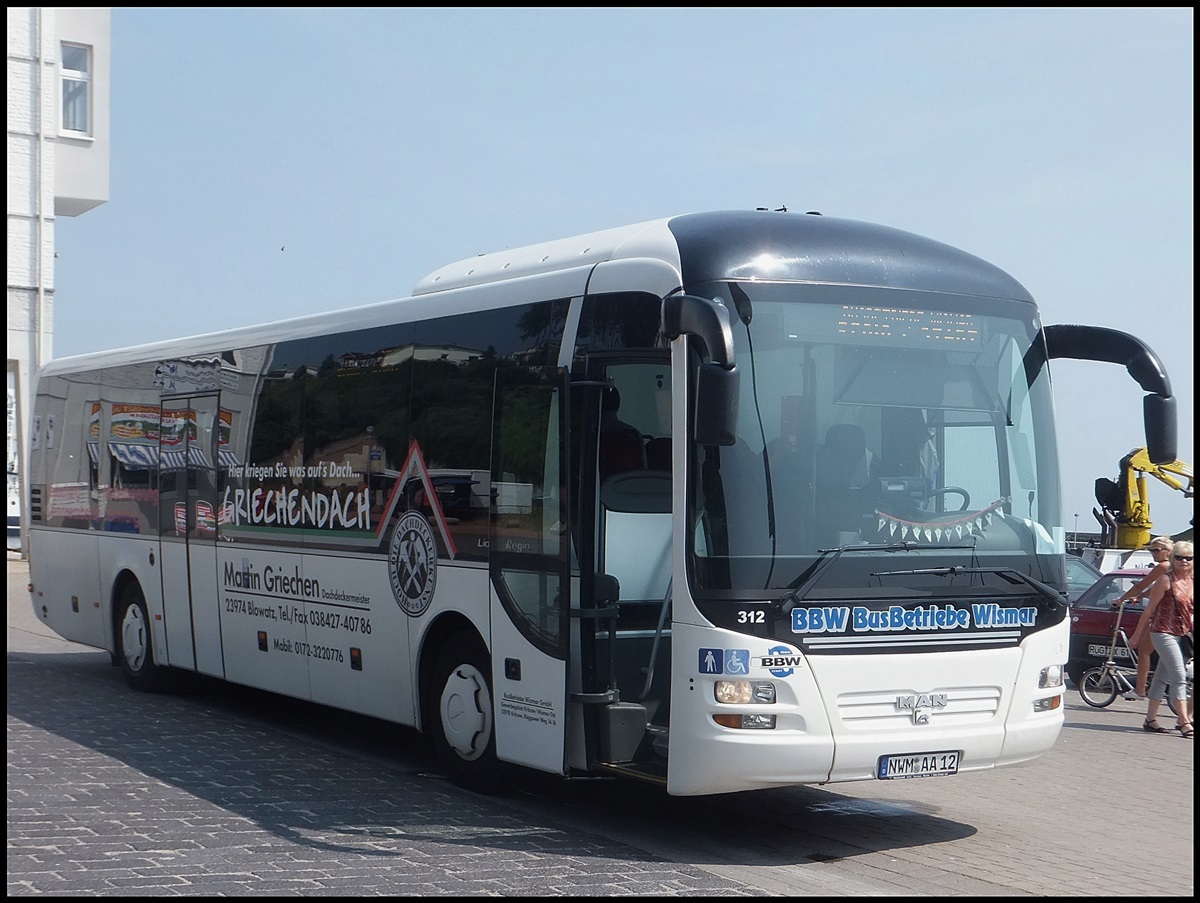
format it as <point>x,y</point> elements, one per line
<point>135,650</point>
<point>464,735</point>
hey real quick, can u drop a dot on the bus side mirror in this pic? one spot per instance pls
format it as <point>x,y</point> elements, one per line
<point>716,405</point>
<point>707,319</point>
<point>1161,426</point>
<point>1098,343</point>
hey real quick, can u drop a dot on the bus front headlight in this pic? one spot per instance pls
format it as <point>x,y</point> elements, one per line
<point>1050,677</point>
<point>744,692</point>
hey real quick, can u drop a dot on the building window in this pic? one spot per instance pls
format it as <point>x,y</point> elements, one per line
<point>76,68</point>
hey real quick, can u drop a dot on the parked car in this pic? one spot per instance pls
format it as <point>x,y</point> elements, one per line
<point>1080,576</point>
<point>1094,617</point>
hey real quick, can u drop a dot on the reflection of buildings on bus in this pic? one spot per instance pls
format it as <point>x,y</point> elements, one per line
<point>466,494</point>
<point>394,357</point>
<point>352,456</point>
<point>149,423</point>
<point>463,494</point>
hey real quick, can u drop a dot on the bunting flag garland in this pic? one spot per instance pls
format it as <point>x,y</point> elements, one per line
<point>975,522</point>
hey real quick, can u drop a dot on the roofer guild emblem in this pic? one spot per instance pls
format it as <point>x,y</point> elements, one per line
<point>412,563</point>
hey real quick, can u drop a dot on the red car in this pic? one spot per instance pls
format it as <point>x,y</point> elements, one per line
<point>1093,617</point>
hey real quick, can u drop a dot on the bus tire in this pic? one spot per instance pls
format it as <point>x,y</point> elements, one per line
<point>135,646</point>
<point>464,735</point>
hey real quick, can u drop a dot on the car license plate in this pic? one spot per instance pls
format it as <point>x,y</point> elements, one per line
<point>1099,651</point>
<point>920,765</point>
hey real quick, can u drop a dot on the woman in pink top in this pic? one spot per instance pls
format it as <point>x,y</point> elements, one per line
<point>1168,617</point>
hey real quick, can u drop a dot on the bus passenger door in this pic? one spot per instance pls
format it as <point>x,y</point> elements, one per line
<point>188,497</point>
<point>529,547</point>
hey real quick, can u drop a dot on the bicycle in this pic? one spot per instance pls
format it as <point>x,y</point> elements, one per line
<point>1100,686</point>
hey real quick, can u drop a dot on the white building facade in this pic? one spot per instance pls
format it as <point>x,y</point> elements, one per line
<point>58,165</point>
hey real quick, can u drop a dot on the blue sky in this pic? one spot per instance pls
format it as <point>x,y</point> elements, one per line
<point>271,163</point>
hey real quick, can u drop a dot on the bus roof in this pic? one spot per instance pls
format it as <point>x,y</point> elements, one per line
<point>751,244</point>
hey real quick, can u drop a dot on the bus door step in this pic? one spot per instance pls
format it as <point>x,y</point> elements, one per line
<point>622,728</point>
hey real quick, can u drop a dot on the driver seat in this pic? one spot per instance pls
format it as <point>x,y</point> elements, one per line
<point>843,472</point>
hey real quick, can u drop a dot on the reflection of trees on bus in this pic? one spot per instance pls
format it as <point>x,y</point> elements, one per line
<point>441,395</point>
<point>446,406</point>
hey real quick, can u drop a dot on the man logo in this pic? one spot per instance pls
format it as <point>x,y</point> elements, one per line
<point>921,701</point>
<point>921,705</point>
<point>412,563</point>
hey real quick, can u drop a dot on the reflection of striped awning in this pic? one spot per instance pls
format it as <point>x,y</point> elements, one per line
<point>94,452</point>
<point>178,459</point>
<point>135,457</point>
<point>227,458</point>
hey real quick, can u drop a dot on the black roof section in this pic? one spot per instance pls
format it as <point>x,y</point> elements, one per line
<point>770,245</point>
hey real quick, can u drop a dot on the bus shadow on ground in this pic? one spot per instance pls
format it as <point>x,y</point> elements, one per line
<point>349,784</point>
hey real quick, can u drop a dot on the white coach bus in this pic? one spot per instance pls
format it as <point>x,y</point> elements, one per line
<point>819,540</point>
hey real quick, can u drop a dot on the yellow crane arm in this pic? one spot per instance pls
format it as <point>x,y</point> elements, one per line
<point>1133,522</point>
<point>1140,461</point>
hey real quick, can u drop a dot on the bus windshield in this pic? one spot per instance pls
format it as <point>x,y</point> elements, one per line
<point>873,420</point>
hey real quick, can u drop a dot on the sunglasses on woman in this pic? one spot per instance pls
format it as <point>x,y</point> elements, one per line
<point>1183,557</point>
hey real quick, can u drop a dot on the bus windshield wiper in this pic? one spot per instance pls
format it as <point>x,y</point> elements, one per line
<point>829,556</point>
<point>1012,575</point>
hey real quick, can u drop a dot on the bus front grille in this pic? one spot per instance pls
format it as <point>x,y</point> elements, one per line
<point>902,707</point>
